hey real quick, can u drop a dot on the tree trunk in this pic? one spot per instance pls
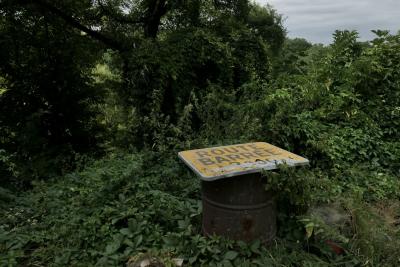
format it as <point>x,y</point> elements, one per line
<point>156,9</point>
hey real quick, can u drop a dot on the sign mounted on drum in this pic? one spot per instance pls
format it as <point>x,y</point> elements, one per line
<point>226,161</point>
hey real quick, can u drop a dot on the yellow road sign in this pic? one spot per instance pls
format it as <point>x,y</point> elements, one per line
<point>226,161</point>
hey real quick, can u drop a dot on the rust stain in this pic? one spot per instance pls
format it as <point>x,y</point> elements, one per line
<point>247,223</point>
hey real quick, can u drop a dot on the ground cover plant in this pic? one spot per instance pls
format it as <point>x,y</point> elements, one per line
<point>97,98</point>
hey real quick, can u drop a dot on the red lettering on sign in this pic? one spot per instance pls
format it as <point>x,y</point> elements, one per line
<point>261,153</point>
<point>221,159</point>
<point>206,161</point>
<point>217,151</point>
<point>234,157</point>
<point>202,153</point>
<point>231,150</point>
<point>247,155</point>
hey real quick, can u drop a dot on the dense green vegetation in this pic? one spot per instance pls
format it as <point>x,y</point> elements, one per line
<point>97,98</point>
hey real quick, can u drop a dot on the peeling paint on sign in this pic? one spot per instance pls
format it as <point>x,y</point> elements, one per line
<point>227,161</point>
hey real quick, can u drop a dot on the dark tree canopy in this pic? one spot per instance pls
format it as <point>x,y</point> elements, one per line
<point>166,51</point>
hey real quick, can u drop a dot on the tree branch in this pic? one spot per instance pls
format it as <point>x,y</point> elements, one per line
<point>77,25</point>
<point>117,17</point>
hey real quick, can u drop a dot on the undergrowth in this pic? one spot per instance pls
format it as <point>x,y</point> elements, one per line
<point>128,204</point>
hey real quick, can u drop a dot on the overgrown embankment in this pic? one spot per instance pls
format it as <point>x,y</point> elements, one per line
<point>216,77</point>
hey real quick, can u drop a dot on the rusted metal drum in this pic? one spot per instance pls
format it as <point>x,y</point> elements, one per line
<point>239,208</point>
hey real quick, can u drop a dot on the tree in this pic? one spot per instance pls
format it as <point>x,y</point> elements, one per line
<point>168,53</point>
<point>46,107</point>
<point>292,57</point>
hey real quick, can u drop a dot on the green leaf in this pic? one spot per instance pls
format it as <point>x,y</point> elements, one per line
<point>309,229</point>
<point>113,247</point>
<point>125,231</point>
<point>230,255</point>
<point>255,246</point>
<point>139,240</point>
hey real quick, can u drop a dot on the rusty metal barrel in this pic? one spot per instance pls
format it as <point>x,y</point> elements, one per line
<point>239,208</point>
<point>235,202</point>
